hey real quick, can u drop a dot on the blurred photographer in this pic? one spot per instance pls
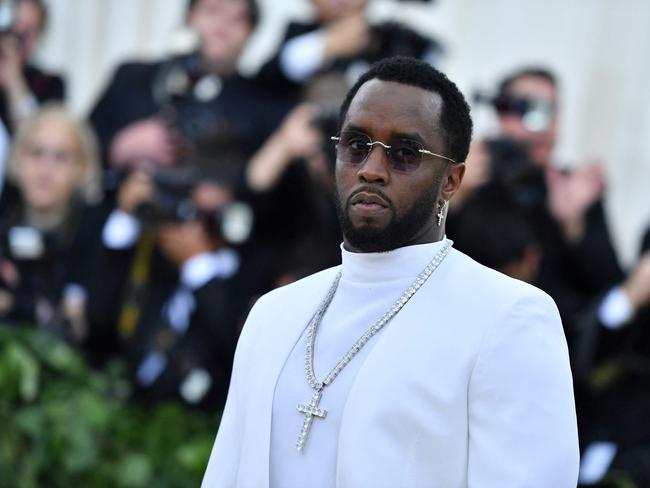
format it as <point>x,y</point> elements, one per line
<point>44,235</point>
<point>154,113</point>
<point>564,207</point>
<point>168,283</point>
<point>290,180</point>
<point>23,86</point>
<point>610,363</point>
<point>495,230</point>
<point>341,40</point>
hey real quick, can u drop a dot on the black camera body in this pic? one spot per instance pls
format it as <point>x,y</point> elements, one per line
<point>512,169</point>
<point>173,203</point>
<point>391,39</point>
<point>184,89</point>
<point>173,198</point>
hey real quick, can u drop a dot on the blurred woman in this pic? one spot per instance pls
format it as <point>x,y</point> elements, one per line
<point>55,167</point>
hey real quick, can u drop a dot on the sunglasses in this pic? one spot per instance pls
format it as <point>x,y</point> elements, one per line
<point>404,155</point>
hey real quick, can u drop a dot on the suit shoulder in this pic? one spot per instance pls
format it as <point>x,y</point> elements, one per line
<point>276,303</point>
<point>302,287</point>
<point>480,281</point>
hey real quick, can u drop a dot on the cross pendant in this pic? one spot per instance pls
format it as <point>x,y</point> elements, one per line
<point>310,411</point>
<point>440,215</point>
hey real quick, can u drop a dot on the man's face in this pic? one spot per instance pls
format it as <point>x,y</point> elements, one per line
<point>28,24</point>
<point>223,27</point>
<point>540,143</point>
<point>49,165</point>
<point>329,10</point>
<point>382,208</point>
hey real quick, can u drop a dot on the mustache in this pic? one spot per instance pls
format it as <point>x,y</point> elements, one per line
<point>372,190</point>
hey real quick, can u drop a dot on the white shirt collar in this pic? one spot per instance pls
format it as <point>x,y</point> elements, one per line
<point>200,269</point>
<point>400,263</point>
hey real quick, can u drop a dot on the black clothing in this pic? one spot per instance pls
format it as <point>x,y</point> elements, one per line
<point>54,261</point>
<point>242,109</point>
<point>573,274</point>
<point>130,314</point>
<point>296,223</point>
<point>612,378</point>
<point>387,39</point>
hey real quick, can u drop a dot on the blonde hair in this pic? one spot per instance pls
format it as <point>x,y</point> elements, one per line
<point>89,188</point>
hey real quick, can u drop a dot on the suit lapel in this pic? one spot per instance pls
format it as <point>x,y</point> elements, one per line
<point>276,344</point>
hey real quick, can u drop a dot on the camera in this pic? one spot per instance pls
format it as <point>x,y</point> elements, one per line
<point>391,39</point>
<point>536,113</point>
<point>173,200</point>
<point>512,169</point>
<point>184,90</point>
<point>174,203</point>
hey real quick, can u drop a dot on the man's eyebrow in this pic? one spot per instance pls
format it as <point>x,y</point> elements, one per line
<point>414,136</point>
<point>355,128</point>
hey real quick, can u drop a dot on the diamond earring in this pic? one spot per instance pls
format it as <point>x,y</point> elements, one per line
<point>442,208</point>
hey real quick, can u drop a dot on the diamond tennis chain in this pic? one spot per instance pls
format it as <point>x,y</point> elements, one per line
<point>312,409</point>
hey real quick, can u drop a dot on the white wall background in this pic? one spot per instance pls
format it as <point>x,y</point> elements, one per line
<point>600,49</point>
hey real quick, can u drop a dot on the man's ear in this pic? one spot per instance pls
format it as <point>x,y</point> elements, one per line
<point>453,179</point>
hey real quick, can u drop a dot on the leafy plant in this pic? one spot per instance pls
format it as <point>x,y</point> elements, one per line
<point>63,424</point>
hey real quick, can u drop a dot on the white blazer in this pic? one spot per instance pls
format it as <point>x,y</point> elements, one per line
<point>476,392</point>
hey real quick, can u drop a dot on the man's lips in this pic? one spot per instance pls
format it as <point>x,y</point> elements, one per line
<point>368,200</point>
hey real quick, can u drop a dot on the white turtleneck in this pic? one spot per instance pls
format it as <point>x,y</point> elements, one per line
<point>370,284</point>
<point>468,385</point>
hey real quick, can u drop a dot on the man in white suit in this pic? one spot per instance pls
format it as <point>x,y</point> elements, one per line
<point>410,365</point>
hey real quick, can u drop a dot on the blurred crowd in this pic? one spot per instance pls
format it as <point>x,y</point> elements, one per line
<point>147,230</point>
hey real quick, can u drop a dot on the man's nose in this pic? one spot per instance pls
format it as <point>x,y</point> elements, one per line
<point>375,167</point>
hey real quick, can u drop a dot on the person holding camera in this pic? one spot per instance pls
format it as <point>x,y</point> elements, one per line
<point>564,207</point>
<point>44,234</point>
<point>23,86</point>
<point>167,282</point>
<point>610,363</point>
<point>341,40</point>
<point>292,175</point>
<point>157,112</point>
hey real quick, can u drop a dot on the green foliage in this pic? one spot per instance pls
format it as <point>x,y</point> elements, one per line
<point>63,424</point>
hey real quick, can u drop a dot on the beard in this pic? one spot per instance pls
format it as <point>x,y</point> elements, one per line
<point>402,228</point>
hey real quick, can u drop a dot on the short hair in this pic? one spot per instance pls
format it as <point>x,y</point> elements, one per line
<point>253,11</point>
<point>90,187</point>
<point>455,119</point>
<point>493,228</point>
<point>532,71</point>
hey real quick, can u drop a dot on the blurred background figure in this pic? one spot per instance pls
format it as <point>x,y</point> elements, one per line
<point>23,86</point>
<point>612,367</point>
<point>565,208</point>
<point>496,232</point>
<point>167,284</point>
<point>55,167</point>
<point>341,40</point>
<point>151,114</point>
<point>291,181</point>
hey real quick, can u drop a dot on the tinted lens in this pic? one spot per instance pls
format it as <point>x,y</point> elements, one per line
<point>405,155</point>
<point>353,147</point>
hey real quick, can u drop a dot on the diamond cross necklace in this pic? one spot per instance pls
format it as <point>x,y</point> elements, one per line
<point>312,409</point>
